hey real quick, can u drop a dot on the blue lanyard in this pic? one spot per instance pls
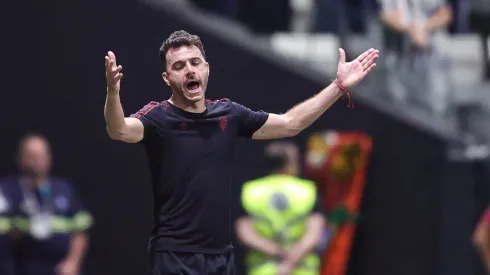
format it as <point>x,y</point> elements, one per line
<point>45,192</point>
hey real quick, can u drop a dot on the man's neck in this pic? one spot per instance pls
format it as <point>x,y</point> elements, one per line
<point>188,106</point>
<point>283,172</point>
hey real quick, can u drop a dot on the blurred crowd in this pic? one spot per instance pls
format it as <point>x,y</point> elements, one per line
<point>435,53</point>
<point>409,25</point>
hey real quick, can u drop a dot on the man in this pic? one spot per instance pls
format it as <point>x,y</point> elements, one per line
<point>50,217</point>
<point>418,19</point>
<point>481,238</point>
<point>411,26</point>
<point>190,141</point>
<point>282,223</point>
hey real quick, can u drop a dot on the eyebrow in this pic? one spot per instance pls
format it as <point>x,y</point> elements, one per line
<point>182,60</point>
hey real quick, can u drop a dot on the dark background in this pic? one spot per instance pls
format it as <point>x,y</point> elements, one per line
<point>419,209</point>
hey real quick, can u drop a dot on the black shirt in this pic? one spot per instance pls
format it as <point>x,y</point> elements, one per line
<point>190,158</point>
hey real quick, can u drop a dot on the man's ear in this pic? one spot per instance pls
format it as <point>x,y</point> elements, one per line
<point>165,78</point>
<point>207,66</point>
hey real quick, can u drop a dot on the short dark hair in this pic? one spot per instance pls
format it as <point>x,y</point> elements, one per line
<point>178,39</point>
<point>275,162</point>
<point>276,155</point>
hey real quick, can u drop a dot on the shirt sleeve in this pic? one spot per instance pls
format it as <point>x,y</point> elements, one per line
<point>82,219</point>
<point>249,121</point>
<point>144,115</point>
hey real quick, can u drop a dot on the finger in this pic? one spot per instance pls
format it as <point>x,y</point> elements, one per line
<point>108,66</point>
<point>369,61</point>
<point>112,64</point>
<point>118,77</point>
<point>116,70</point>
<point>365,54</point>
<point>112,56</point>
<point>107,59</point>
<point>369,57</point>
<point>368,70</point>
<point>341,55</point>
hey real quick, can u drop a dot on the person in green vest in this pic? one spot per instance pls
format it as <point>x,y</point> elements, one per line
<point>282,222</point>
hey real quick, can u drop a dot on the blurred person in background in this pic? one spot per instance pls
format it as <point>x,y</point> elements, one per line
<point>7,263</point>
<point>481,238</point>
<point>411,28</point>
<point>282,223</point>
<point>342,16</point>
<point>479,23</point>
<point>49,216</point>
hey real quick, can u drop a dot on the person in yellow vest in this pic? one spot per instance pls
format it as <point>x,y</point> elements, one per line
<point>282,222</point>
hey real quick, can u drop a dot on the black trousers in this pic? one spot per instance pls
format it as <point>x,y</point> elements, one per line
<point>180,263</point>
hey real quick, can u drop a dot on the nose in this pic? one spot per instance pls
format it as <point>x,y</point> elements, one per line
<point>190,73</point>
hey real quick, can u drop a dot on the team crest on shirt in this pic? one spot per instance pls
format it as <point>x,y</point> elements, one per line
<point>183,126</point>
<point>223,122</point>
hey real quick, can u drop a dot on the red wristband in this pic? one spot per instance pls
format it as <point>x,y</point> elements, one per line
<point>346,92</point>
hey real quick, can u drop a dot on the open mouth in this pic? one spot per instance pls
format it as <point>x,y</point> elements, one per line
<point>192,85</point>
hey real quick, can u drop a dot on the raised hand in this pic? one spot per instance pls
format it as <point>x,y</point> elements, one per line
<point>113,73</point>
<point>351,73</point>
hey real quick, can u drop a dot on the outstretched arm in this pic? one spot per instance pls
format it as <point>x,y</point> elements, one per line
<point>118,127</point>
<point>481,239</point>
<point>304,114</point>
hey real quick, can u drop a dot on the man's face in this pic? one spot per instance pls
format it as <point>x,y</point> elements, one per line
<point>187,72</point>
<point>35,157</point>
